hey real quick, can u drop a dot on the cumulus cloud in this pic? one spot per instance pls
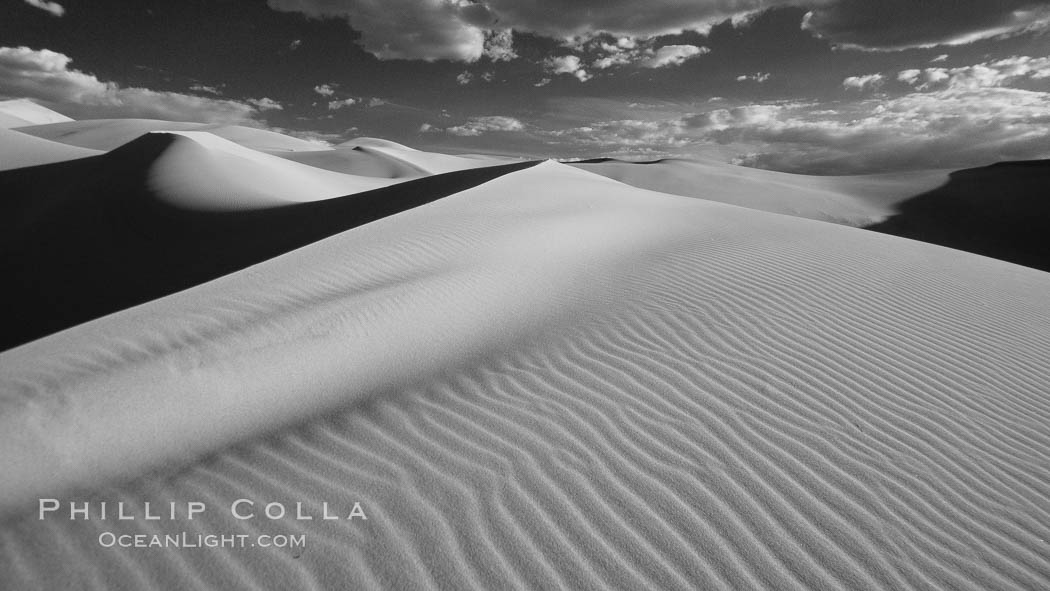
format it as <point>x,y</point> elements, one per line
<point>862,83</point>
<point>901,24</point>
<point>54,8</point>
<point>46,76</point>
<point>950,118</point>
<point>568,64</point>
<point>324,89</point>
<point>266,104</point>
<point>672,55</point>
<point>948,128</point>
<point>407,29</point>
<point>628,51</point>
<point>336,105</point>
<point>467,30</point>
<point>758,77</point>
<point>205,88</point>
<point>464,78</point>
<point>476,126</point>
<point>499,46</point>
<point>479,125</point>
<point>984,75</point>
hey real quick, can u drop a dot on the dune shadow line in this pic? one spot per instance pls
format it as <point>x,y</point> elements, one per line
<point>85,238</point>
<point>1000,211</point>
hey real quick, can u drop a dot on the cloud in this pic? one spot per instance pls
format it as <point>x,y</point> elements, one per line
<point>467,30</point>
<point>45,75</point>
<point>943,129</point>
<point>324,89</point>
<point>758,77</point>
<point>407,29</point>
<point>862,83</point>
<point>984,75</point>
<point>336,105</point>
<point>948,118</point>
<point>54,8</point>
<point>673,55</point>
<point>940,58</point>
<point>567,64</point>
<point>499,46</point>
<point>476,126</point>
<point>208,89</point>
<point>266,104</point>
<point>464,78</point>
<point>902,24</point>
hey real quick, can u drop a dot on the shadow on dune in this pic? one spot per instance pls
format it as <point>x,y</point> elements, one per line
<point>1000,211</point>
<point>604,160</point>
<point>86,238</point>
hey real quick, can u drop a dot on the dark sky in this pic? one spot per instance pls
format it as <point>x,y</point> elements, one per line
<point>825,86</point>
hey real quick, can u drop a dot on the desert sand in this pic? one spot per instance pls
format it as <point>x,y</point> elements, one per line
<point>859,200</point>
<point>527,376</point>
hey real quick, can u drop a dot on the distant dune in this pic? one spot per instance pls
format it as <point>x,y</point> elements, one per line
<point>22,112</point>
<point>1001,211</point>
<point>108,134</point>
<point>549,380</point>
<point>527,375</point>
<point>850,200</point>
<point>18,150</point>
<point>89,237</point>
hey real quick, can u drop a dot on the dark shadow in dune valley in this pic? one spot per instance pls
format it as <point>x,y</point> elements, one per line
<point>1000,211</point>
<point>85,238</point>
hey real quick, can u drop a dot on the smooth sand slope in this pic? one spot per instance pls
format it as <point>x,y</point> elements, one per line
<point>553,380</point>
<point>851,200</point>
<point>1001,211</point>
<point>108,134</point>
<point>18,150</point>
<point>21,112</point>
<point>430,162</point>
<point>168,211</point>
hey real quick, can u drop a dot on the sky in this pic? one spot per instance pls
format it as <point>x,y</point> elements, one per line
<point>806,86</point>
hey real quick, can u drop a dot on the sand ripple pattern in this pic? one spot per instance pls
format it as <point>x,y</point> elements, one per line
<point>746,403</point>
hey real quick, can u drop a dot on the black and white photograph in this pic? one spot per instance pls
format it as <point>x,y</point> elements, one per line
<point>745,295</point>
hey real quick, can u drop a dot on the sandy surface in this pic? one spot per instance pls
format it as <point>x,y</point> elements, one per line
<point>555,380</point>
<point>22,112</point>
<point>850,200</point>
<point>19,150</point>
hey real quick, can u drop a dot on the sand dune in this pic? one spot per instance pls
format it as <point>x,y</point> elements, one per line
<point>999,211</point>
<point>851,200</point>
<point>553,380</point>
<point>108,134</point>
<point>18,150</point>
<point>357,160</point>
<point>430,162</point>
<point>199,170</point>
<point>22,112</point>
<point>168,211</point>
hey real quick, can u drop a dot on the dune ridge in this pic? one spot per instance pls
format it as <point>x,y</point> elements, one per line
<point>552,380</point>
<point>858,200</point>
<point>999,211</point>
<point>19,150</point>
<point>93,236</point>
<point>109,134</point>
<point>23,112</point>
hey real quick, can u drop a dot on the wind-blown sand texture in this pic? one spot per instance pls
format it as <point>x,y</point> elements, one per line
<point>554,380</point>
